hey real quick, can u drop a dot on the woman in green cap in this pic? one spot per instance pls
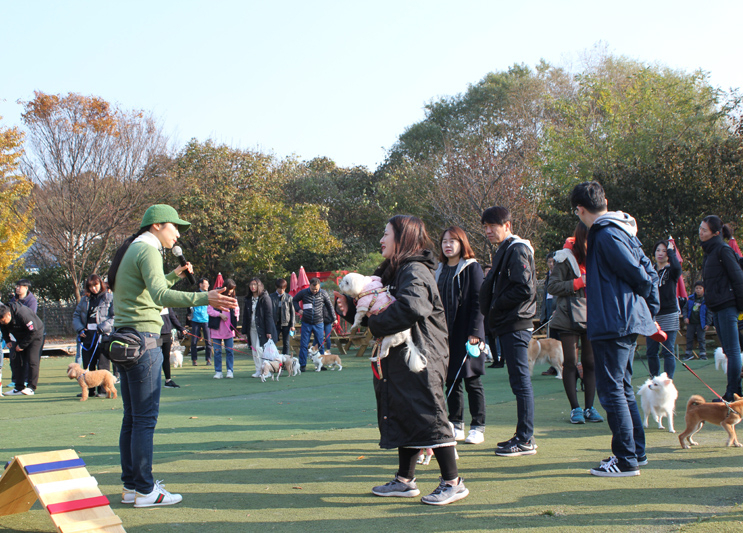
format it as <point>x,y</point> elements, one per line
<point>141,289</point>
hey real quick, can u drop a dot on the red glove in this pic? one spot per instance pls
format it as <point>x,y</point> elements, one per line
<point>578,284</point>
<point>660,335</point>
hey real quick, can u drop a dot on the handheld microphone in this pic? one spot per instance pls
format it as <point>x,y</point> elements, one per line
<point>178,253</point>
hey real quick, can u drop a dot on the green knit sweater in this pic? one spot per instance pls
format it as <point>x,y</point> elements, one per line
<point>142,290</point>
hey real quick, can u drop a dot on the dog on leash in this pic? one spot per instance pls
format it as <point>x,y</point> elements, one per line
<point>658,397</point>
<point>291,365</point>
<point>271,367</point>
<point>324,359</point>
<point>372,297</point>
<point>546,350</point>
<point>176,354</point>
<point>721,360</point>
<point>699,411</point>
<point>92,378</point>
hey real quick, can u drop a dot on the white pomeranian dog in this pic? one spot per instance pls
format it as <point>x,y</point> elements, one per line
<point>658,397</point>
<point>372,297</point>
<point>721,360</point>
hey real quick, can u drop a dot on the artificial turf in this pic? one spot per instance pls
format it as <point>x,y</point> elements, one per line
<point>301,454</point>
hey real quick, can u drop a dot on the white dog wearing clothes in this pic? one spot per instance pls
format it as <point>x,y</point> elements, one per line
<point>371,297</point>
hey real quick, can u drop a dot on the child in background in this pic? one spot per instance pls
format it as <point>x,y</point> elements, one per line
<point>697,319</point>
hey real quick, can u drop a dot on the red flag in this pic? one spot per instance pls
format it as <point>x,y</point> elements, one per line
<point>680,286</point>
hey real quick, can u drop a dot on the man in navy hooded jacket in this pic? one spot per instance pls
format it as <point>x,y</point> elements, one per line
<point>622,298</point>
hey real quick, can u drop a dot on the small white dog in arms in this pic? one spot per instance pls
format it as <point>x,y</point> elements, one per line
<point>721,360</point>
<point>658,397</point>
<point>371,297</point>
<point>324,359</point>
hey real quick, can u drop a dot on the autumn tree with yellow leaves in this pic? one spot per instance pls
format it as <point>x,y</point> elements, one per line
<point>15,207</point>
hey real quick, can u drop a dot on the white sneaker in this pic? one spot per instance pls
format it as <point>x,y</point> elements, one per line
<point>158,496</point>
<point>475,437</point>
<point>218,375</point>
<point>13,392</point>
<point>458,434</point>
<point>229,374</point>
<point>28,391</point>
<point>127,495</point>
<point>256,375</point>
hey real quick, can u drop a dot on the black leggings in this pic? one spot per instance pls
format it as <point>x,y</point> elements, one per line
<point>570,367</point>
<point>167,344</point>
<point>445,455</point>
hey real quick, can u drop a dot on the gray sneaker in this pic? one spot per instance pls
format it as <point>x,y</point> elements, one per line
<point>445,493</point>
<point>397,487</point>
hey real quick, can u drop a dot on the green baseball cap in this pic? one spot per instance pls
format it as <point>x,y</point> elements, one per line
<point>162,213</point>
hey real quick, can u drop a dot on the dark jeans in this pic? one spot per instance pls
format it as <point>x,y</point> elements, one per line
<point>696,331</point>
<point>285,333</point>
<point>200,329</point>
<point>26,358</point>
<point>613,364</point>
<point>514,346</point>
<point>327,330</point>
<point>307,331</point>
<point>669,359</point>
<point>140,394</point>
<point>476,398</point>
<point>726,324</point>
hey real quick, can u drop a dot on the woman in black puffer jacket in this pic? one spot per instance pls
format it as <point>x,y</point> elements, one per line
<point>723,293</point>
<point>411,407</point>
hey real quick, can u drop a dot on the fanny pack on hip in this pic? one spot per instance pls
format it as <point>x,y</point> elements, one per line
<point>126,345</point>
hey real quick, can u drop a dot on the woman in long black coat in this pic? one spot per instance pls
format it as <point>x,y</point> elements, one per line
<point>258,323</point>
<point>459,277</point>
<point>410,406</point>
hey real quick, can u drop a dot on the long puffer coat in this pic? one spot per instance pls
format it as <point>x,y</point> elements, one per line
<point>411,407</point>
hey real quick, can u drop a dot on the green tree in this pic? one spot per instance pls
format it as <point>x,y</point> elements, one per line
<point>16,221</point>
<point>241,224</point>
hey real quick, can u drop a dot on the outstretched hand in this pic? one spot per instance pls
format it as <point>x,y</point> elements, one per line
<point>218,301</point>
<point>342,304</point>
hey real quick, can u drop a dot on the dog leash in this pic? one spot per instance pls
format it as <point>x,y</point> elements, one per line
<point>457,376</point>
<point>727,404</point>
<point>540,327</point>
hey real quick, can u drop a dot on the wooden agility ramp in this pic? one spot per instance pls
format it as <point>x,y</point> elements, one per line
<point>60,481</point>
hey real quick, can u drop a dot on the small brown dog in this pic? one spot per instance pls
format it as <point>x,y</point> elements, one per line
<point>549,350</point>
<point>699,411</point>
<point>327,359</point>
<point>91,379</point>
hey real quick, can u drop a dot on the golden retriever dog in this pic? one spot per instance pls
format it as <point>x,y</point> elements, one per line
<point>92,378</point>
<point>699,411</point>
<point>546,350</point>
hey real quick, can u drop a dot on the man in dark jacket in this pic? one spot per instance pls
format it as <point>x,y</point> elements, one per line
<point>23,295</point>
<point>622,298</point>
<point>283,314</point>
<point>23,331</point>
<point>508,301</point>
<point>313,299</point>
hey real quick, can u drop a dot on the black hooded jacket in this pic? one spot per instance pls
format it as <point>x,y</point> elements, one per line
<point>723,277</point>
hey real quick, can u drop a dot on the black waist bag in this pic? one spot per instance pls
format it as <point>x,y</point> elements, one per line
<point>124,346</point>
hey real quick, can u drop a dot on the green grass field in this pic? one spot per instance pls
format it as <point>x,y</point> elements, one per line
<point>302,455</point>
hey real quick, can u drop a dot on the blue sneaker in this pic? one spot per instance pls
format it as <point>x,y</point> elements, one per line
<point>592,415</point>
<point>576,416</point>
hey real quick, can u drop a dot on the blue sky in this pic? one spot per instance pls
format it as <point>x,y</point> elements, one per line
<point>327,78</point>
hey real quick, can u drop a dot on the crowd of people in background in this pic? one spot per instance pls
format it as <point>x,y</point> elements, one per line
<point>601,292</point>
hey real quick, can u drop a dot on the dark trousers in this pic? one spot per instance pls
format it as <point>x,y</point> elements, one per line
<point>31,355</point>
<point>445,456</point>
<point>285,333</point>
<point>167,339</point>
<point>475,397</point>
<point>696,331</point>
<point>514,346</point>
<point>200,329</point>
<point>613,362</point>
